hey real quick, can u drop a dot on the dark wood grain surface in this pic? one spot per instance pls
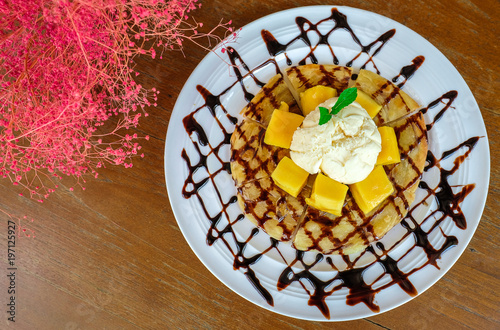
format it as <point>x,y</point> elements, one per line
<point>112,256</point>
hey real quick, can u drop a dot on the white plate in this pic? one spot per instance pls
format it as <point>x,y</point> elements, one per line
<point>246,259</point>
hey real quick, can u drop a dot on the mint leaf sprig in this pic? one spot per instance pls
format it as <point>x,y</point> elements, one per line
<point>345,98</point>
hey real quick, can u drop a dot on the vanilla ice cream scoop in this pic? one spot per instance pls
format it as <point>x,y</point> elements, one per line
<point>345,149</point>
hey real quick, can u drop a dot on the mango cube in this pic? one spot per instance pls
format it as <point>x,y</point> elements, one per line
<point>281,127</point>
<point>327,195</point>
<point>289,176</point>
<point>373,190</point>
<point>369,104</point>
<point>390,151</point>
<point>314,96</point>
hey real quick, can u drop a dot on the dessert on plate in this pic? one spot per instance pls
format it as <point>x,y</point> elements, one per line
<point>327,159</point>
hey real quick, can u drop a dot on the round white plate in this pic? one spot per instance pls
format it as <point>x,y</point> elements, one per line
<point>412,256</point>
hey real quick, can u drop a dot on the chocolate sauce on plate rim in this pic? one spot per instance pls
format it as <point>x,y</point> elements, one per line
<point>447,198</point>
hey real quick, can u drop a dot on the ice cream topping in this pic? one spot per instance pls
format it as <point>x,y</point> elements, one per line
<point>345,148</point>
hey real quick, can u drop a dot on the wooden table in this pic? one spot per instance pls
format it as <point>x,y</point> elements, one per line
<point>113,257</point>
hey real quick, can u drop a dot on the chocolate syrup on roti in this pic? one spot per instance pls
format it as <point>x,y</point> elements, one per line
<point>448,200</point>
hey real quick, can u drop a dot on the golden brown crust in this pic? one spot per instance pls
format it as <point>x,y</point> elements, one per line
<point>310,75</point>
<point>395,102</point>
<point>271,208</point>
<point>405,176</point>
<point>252,159</point>
<point>261,107</point>
<point>328,233</point>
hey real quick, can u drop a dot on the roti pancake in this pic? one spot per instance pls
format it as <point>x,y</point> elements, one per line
<point>287,218</point>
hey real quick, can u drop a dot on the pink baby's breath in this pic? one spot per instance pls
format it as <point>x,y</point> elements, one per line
<point>67,88</point>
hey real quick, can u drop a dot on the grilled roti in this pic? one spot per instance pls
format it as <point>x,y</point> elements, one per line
<point>288,218</point>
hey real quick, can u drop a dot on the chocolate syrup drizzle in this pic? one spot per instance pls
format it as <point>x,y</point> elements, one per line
<point>305,26</point>
<point>408,71</point>
<point>446,196</point>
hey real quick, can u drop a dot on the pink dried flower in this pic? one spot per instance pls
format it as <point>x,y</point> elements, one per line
<point>65,71</point>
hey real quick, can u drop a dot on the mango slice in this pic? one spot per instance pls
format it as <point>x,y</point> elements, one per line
<point>390,151</point>
<point>327,195</point>
<point>373,190</point>
<point>284,106</point>
<point>289,176</point>
<point>281,127</point>
<point>314,96</point>
<point>370,105</point>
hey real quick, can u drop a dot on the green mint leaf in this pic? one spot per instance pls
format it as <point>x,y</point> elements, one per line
<point>324,115</point>
<point>346,97</point>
